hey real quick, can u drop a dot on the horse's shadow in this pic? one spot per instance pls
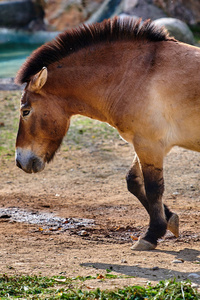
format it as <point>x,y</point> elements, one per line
<point>186,254</point>
<point>156,274</point>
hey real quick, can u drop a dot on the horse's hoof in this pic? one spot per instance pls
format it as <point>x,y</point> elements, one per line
<point>142,245</point>
<point>173,224</point>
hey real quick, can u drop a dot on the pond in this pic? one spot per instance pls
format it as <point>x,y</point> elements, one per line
<point>12,57</point>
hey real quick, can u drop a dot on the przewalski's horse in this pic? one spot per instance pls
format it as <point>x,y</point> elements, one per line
<point>130,75</point>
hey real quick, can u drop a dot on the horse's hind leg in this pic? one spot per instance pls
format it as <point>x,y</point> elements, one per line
<point>135,185</point>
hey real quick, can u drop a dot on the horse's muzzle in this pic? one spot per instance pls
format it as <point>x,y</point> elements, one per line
<point>28,161</point>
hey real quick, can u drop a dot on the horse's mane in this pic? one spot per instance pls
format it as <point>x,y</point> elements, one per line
<point>73,40</point>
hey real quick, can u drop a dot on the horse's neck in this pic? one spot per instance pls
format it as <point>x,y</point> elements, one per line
<point>91,81</point>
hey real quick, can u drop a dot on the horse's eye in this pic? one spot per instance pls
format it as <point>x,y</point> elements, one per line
<point>25,113</point>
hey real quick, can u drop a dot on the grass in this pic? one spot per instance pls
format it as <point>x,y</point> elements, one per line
<point>34,287</point>
<point>196,32</point>
<point>85,133</point>
<point>197,39</point>
<point>9,118</point>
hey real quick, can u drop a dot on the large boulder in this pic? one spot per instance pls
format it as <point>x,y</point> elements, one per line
<point>25,14</point>
<point>177,29</point>
<point>144,9</point>
<point>185,10</point>
<point>108,9</point>
<point>62,14</point>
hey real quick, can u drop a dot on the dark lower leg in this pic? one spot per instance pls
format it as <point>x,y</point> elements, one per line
<point>157,228</point>
<point>135,185</point>
<point>168,212</point>
<point>154,187</point>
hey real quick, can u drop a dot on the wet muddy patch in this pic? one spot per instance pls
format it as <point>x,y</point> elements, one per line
<point>45,221</point>
<point>49,223</point>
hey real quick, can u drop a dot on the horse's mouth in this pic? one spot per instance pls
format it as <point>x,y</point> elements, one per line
<point>28,161</point>
<point>33,166</point>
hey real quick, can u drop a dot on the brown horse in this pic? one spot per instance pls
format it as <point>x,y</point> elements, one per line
<point>130,75</point>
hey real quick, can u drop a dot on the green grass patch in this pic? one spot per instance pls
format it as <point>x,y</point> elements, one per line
<point>9,119</point>
<point>34,287</point>
<point>196,32</point>
<point>197,39</point>
<point>85,133</point>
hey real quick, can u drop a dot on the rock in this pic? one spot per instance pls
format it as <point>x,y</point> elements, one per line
<point>83,233</point>
<point>176,28</point>
<point>22,14</point>
<point>193,275</point>
<point>62,14</point>
<point>178,261</point>
<point>123,15</point>
<point>5,216</point>
<point>144,9</point>
<point>185,10</point>
<point>176,193</point>
<point>108,9</point>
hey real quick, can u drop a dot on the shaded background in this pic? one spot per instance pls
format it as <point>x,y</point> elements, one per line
<point>27,24</point>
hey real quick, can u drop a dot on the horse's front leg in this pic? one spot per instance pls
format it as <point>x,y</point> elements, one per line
<point>154,187</point>
<point>135,185</point>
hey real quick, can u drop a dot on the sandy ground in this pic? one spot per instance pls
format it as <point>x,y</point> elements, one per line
<point>90,183</point>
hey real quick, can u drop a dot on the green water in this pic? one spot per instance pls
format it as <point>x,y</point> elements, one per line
<point>12,57</point>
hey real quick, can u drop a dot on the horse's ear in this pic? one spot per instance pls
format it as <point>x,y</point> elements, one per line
<point>38,80</point>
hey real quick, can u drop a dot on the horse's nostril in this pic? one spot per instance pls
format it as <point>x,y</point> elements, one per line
<point>34,163</point>
<point>18,164</point>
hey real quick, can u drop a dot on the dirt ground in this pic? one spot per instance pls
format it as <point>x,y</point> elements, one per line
<point>90,183</point>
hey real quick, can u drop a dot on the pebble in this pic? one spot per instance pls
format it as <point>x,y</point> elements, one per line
<point>178,261</point>
<point>155,268</point>
<point>83,233</point>
<point>193,275</point>
<point>5,216</point>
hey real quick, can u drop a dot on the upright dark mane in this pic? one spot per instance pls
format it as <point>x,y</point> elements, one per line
<point>71,41</point>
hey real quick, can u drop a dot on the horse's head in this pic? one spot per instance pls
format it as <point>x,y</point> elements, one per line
<point>43,124</point>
